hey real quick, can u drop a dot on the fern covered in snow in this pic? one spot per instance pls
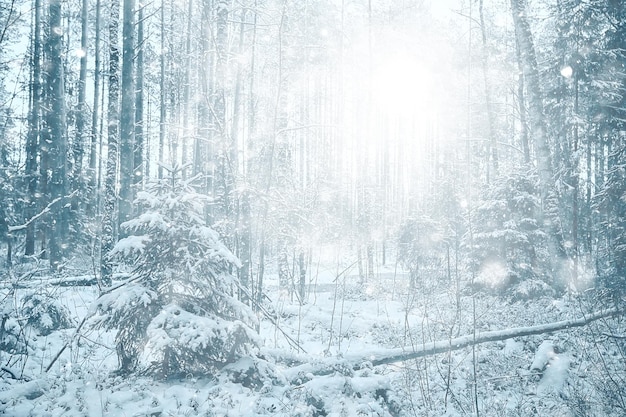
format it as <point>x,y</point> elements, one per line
<point>177,314</point>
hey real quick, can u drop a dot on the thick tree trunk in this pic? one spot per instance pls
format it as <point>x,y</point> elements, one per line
<point>108,222</point>
<point>58,136</point>
<point>549,208</point>
<point>538,132</point>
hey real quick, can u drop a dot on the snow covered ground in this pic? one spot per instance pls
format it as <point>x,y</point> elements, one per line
<point>314,372</point>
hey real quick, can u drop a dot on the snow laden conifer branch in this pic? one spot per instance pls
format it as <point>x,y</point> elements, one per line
<point>177,314</point>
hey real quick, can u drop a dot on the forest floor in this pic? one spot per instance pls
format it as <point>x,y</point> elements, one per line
<point>561,374</point>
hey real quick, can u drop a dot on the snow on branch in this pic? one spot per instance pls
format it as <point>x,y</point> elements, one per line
<point>356,360</point>
<point>442,346</point>
<point>42,213</point>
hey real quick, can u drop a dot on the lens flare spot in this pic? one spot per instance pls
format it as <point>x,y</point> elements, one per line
<point>567,71</point>
<point>493,274</point>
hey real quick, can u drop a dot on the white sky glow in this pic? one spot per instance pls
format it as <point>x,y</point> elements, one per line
<point>400,85</point>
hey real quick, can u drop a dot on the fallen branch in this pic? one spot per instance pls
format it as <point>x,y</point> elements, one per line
<point>355,360</point>
<point>442,346</point>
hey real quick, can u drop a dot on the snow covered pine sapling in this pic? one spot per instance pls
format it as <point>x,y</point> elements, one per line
<point>176,314</point>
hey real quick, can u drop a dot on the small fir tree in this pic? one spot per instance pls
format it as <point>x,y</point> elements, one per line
<point>177,313</point>
<point>420,247</point>
<point>509,246</point>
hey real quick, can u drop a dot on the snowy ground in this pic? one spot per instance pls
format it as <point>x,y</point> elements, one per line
<point>552,374</point>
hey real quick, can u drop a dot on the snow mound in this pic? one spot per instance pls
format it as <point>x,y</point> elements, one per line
<point>543,355</point>
<point>555,368</point>
<point>555,375</point>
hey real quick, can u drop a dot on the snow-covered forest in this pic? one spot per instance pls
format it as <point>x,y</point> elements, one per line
<point>312,208</point>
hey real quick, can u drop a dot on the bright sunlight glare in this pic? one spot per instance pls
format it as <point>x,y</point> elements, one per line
<point>400,87</point>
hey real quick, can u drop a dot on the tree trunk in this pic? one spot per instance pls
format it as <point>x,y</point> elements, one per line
<point>33,129</point>
<point>538,132</point>
<point>95,116</point>
<point>302,269</point>
<point>575,192</point>
<point>549,209</point>
<point>187,131</point>
<point>370,261</point>
<point>493,146</point>
<point>521,100</point>
<point>245,248</point>
<point>138,171</point>
<point>162,111</point>
<point>58,136</point>
<point>108,222</point>
<point>237,107</point>
<point>226,150</point>
<point>259,286</point>
<point>127,118</point>
<point>172,88</point>
<point>81,109</point>
<point>284,277</point>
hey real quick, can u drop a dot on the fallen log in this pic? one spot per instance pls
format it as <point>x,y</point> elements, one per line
<point>355,361</point>
<point>442,346</point>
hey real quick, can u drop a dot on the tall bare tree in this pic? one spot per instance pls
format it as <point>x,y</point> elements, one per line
<point>95,133</point>
<point>81,109</point>
<point>138,163</point>
<point>34,123</point>
<point>56,126</point>
<point>109,218</point>
<point>127,117</point>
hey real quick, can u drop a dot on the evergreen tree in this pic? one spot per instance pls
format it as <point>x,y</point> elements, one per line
<point>612,263</point>
<point>177,314</point>
<point>509,246</point>
<point>419,247</point>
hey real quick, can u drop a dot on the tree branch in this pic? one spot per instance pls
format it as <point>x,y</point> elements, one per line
<point>389,356</point>
<point>398,355</point>
<point>42,213</point>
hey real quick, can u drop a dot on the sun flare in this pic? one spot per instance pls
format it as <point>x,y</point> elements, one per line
<point>402,87</point>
